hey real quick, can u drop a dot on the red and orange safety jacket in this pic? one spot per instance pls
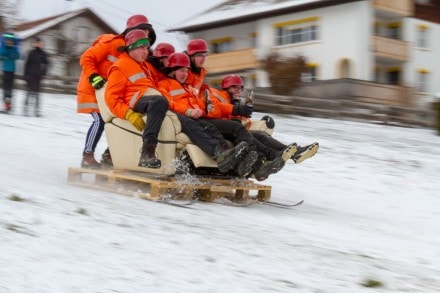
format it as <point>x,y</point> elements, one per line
<point>127,82</point>
<point>96,59</point>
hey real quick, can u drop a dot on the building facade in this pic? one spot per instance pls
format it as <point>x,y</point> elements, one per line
<point>391,42</point>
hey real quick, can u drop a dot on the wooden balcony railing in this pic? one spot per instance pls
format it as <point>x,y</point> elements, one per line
<point>400,7</point>
<point>231,61</point>
<point>390,48</point>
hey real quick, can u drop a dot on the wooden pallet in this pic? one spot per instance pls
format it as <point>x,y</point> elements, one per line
<point>157,187</point>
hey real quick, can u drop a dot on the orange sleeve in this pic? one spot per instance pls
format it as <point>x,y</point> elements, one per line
<point>115,92</point>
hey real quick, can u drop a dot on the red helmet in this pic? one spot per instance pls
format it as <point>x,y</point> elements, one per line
<point>163,50</point>
<point>136,20</point>
<point>134,36</point>
<point>178,60</point>
<point>231,80</point>
<point>197,46</point>
<point>139,21</point>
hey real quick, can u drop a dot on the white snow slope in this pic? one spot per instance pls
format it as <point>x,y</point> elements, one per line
<point>371,212</point>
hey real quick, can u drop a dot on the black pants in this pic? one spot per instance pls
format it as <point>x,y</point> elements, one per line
<point>206,137</point>
<point>8,85</point>
<point>268,140</point>
<point>234,131</point>
<point>155,107</point>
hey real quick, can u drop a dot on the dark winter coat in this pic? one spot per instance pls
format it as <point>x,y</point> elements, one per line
<point>35,68</point>
<point>36,64</point>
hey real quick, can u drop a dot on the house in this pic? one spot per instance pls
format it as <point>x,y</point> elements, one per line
<point>390,47</point>
<point>65,37</point>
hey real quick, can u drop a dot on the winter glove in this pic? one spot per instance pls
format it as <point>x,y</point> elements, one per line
<point>242,110</point>
<point>96,81</point>
<point>270,123</point>
<point>135,118</point>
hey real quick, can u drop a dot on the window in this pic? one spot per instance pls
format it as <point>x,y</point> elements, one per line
<point>394,30</point>
<point>422,36</point>
<point>297,31</point>
<point>310,73</point>
<point>221,45</point>
<point>422,80</point>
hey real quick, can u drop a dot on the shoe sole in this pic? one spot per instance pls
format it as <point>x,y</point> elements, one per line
<point>245,167</point>
<point>307,154</point>
<point>289,151</point>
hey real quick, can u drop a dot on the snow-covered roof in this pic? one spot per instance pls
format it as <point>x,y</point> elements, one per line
<point>31,28</point>
<point>236,11</point>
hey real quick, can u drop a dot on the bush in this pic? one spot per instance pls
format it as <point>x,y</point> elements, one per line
<point>284,73</point>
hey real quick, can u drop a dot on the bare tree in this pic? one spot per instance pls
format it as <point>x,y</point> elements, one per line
<point>284,73</point>
<point>9,12</point>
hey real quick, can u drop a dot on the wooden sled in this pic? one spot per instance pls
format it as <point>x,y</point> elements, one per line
<point>162,187</point>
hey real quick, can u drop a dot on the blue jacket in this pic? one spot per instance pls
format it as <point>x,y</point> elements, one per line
<point>8,55</point>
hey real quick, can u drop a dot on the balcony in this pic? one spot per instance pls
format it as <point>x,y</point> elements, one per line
<point>391,49</point>
<point>394,8</point>
<point>231,61</point>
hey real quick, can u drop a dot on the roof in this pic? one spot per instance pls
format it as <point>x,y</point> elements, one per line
<point>241,11</point>
<point>31,28</point>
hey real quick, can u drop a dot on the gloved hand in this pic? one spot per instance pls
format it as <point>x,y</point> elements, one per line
<point>135,118</point>
<point>242,110</point>
<point>96,81</point>
<point>270,123</point>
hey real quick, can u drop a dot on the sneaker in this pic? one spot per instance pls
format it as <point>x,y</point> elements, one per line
<point>305,152</point>
<point>289,151</point>
<point>88,161</point>
<point>227,160</point>
<point>245,166</point>
<point>106,159</point>
<point>148,156</point>
<point>267,168</point>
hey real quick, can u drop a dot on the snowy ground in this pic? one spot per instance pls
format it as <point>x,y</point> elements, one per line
<point>371,212</point>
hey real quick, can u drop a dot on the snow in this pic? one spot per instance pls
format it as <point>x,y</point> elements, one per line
<point>238,10</point>
<point>370,212</point>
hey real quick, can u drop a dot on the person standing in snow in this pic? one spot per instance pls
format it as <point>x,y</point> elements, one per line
<point>95,62</point>
<point>35,69</point>
<point>9,53</point>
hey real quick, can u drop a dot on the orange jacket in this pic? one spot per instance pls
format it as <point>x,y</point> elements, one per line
<point>222,100</point>
<point>96,59</point>
<point>180,96</point>
<point>127,83</point>
<point>196,80</point>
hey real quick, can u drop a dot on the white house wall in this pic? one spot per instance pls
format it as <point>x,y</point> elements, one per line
<point>423,59</point>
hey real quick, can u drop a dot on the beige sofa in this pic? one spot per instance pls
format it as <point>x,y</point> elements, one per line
<point>125,142</point>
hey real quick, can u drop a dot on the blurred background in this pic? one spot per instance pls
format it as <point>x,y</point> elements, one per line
<point>309,58</point>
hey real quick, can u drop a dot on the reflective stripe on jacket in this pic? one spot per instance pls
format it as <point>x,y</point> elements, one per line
<point>180,97</point>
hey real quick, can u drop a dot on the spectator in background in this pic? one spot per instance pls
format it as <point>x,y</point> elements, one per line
<point>35,69</point>
<point>8,54</point>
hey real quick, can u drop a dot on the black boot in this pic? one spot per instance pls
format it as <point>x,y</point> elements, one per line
<point>245,166</point>
<point>228,159</point>
<point>148,157</point>
<point>263,168</point>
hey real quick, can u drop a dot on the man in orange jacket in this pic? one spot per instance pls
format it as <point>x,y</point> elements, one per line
<point>197,51</point>
<point>181,99</point>
<point>232,89</point>
<point>95,62</point>
<point>131,93</point>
